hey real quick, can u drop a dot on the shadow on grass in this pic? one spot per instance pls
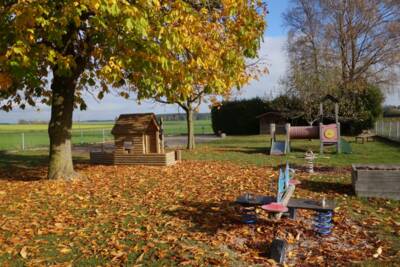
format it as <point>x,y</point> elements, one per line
<point>30,166</point>
<point>208,218</point>
<point>266,150</point>
<point>387,142</point>
<point>22,167</point>
<point>327,187</point>
<point>317,169</point>
<point>22,160</point>
<point>246,150</point>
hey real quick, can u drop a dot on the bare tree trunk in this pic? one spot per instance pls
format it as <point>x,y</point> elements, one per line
<point>190,129</point>
<point>60,165</point>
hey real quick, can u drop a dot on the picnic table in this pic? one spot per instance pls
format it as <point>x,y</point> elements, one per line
<point>365,135</point>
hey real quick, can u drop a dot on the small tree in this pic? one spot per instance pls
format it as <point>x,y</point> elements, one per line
<point>217,63</point>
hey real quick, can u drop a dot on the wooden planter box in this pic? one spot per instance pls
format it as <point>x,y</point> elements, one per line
<point>376,180</point>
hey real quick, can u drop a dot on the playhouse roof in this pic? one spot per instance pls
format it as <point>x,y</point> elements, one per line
<point>135,124</point>
<point>331,98</point>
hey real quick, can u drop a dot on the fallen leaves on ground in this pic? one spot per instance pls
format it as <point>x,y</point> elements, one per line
<point>182,214</point>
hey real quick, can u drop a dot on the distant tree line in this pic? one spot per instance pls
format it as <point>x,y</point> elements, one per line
<point>165,117</point>
<point>32,122</point>
<point>391,111</point>
<point>240,116</point>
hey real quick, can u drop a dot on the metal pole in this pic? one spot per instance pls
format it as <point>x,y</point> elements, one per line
<point>23,141</point>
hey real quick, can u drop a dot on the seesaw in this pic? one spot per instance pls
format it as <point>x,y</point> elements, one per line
<point>284,204</point>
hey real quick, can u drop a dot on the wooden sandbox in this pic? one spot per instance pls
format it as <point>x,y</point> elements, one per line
<point>154,159</point>
<point>376,180</point>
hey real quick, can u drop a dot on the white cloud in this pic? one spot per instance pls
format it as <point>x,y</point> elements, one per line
<point>273,49</point>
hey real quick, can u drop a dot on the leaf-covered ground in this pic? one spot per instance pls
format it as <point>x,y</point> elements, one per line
<point>183,214</point>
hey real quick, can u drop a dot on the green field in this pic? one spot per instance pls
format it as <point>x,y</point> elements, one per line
<point>35,135</point>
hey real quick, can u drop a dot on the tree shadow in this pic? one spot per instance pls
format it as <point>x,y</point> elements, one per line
<point>317,169</point>
<point>387,142</point>
<point>327,187</point>
<point>27,166</point>
<point>246,150</point>
<point>22,167</point>
<point>22,160</point>
<point>208,217</point>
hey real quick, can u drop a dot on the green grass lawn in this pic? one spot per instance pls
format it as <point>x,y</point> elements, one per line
<point>254,150</point>
<point>35,135</point>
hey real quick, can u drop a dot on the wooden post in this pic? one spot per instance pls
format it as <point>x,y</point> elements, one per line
<point>158,148</point>
<point>336,112</point>
<point>321,145</point>
<point>23,141</point>
<point>338,144</point>
<point>272,128</point>
<point>288,194</point>
<point>178,155</point>
<point>321,112</point>
<point>287,129</point>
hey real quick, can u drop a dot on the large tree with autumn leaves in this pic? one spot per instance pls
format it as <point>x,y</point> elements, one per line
<point>51,51</point>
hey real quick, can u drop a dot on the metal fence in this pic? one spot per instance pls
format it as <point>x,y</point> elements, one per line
<point>37,139</point>
<point>25,140</point>
<point>388,129</point>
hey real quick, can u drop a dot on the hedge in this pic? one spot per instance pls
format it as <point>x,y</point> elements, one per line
<point>238,117</point>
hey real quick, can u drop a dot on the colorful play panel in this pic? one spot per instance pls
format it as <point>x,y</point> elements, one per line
<point>328,134</point>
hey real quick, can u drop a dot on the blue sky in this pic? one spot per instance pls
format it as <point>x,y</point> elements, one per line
<point>267,86</point>
<point>274,18</point>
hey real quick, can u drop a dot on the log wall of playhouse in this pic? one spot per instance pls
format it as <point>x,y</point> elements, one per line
<point>328,134</point>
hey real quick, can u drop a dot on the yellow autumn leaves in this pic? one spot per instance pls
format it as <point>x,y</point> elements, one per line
<point>156,46</point>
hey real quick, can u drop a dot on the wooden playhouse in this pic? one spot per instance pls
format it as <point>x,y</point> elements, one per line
<point>138,141</point>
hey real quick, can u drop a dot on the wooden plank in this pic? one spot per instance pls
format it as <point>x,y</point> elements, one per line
<point>394,187</point>
<point>133,159</point>
<point>309,204</point>
<point>389,195</point>
<point>285,200</point>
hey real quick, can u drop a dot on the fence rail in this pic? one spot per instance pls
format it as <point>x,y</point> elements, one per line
<point>25,140</point>
<point>37,139</point>
<point>388,129</point>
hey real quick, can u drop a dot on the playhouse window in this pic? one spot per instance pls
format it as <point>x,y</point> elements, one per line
<point>128,146</point>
